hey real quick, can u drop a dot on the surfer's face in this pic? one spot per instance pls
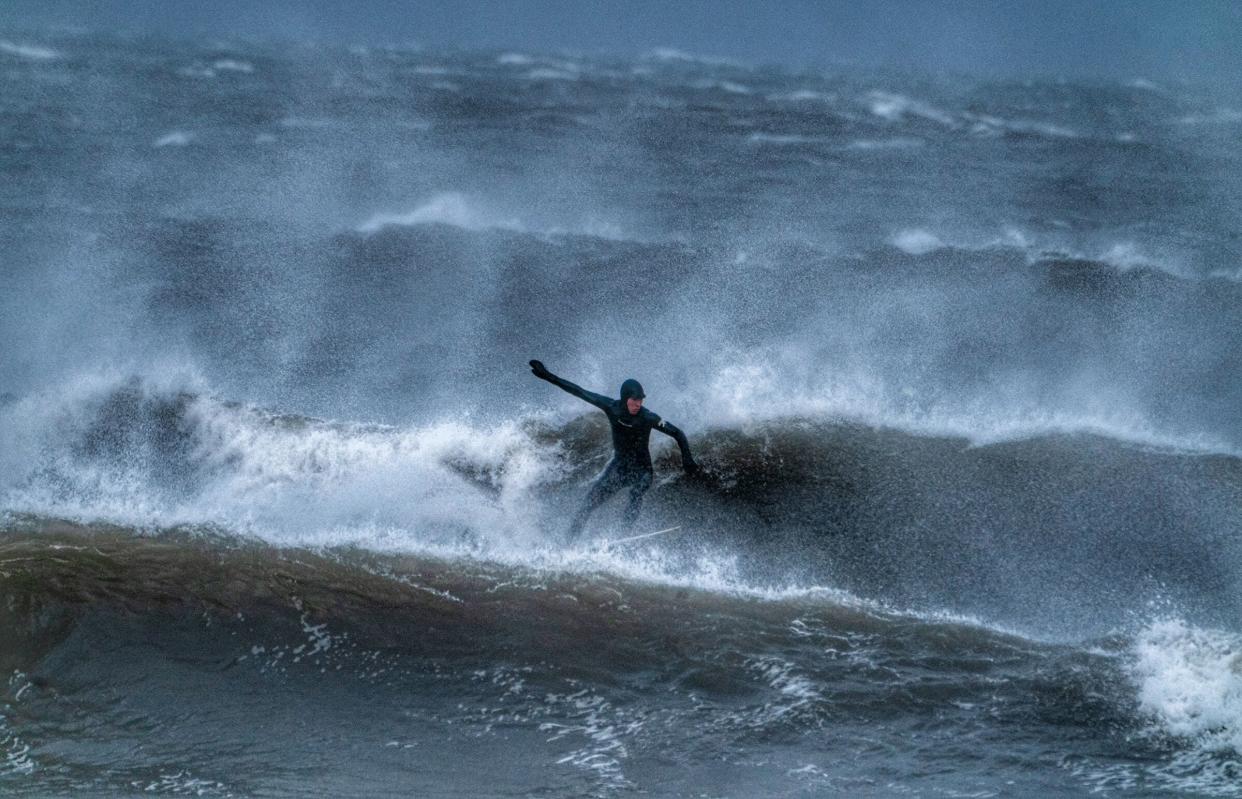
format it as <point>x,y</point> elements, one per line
<point>633,405</point>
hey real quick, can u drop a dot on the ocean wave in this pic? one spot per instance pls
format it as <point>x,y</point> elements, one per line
<point>1190,683</point>
<point>726,86</point>
<point>897,143</point>
<point>514,60</point>
<point>671,55</point>
<point>31,52</point>
<point>445,209</point>
<point>233,65</point>
<point>782,138</point>
<point>916,241</point>
<point>1118,255</point>
<point>255,450</point>
<point>455,209</point>
<point>802,96</point>
<point>176,138</point>
<point>142,566</point>
<point>603,669</point>
<point>896,107</point>
<point>144,458</point>
<point>756,390</point>
<point>787,506</point>
<point>1184,679</point>
<point>994,126</point>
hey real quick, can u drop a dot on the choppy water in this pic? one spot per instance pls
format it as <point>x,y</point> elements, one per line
<point>283,511</point>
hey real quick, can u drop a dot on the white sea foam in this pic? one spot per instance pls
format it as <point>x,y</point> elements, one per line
<point>181,783</point>
<point>17,759</point>
<point>1012,236</point>
<point>1126,255</point>
<point>278,481</point>
<point>1121,254</point>
<point>801,96</point>
<point>176,138</point>
<point>985,125</point>
<point>727,86</point>
<point>785,678</point>
<point>453,208</point>
<point>233,65</point>
<point>15,751</point>
<point>780,138</point>
<point>1186,773</point>
<point>917,241</point>
<point>897,143</point>
<point>602,728</point>
<point>673,55</point>
<point>1190,683</point>
<point>514,60</point>
<point>896,107</point>
<point>32,52</point>
<point>446,209</point>
<point>762,380</point>
<point>1044,128</point>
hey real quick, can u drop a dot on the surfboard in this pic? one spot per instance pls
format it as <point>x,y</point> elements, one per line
<point>639,537</point>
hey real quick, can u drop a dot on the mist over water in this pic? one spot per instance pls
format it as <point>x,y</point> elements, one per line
<point>960,357</point>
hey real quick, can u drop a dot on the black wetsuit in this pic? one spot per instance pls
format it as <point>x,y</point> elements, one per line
<point>631,461</point>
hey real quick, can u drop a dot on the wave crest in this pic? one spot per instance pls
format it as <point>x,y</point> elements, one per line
<point>1190,683</point>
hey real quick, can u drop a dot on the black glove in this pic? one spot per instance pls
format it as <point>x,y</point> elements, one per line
<point>692,469</point>
<point>538,369</point>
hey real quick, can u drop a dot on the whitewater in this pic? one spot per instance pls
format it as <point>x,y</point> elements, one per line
<point>282,511</point>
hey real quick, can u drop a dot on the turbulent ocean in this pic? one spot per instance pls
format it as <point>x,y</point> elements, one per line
<point>283,512</point>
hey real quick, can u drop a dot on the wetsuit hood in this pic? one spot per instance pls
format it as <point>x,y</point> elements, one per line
<point>632,389</point>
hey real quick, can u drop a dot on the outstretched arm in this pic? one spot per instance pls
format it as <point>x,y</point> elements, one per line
<point>598,400</point>
<point>687,460</point>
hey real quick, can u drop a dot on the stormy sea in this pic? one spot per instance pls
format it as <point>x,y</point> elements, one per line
<point>283,511</point>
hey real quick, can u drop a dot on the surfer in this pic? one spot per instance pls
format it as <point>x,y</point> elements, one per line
<point>630,466</point>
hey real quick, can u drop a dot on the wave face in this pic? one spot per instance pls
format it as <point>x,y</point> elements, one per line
<point>280,505</point>
<point>179,664</point>
<point>1060,534</point>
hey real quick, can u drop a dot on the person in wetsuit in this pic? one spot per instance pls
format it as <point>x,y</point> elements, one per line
<point>630,466</point>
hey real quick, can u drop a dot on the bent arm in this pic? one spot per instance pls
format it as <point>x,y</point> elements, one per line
<point>687,460</point>
<point>598,400</point>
